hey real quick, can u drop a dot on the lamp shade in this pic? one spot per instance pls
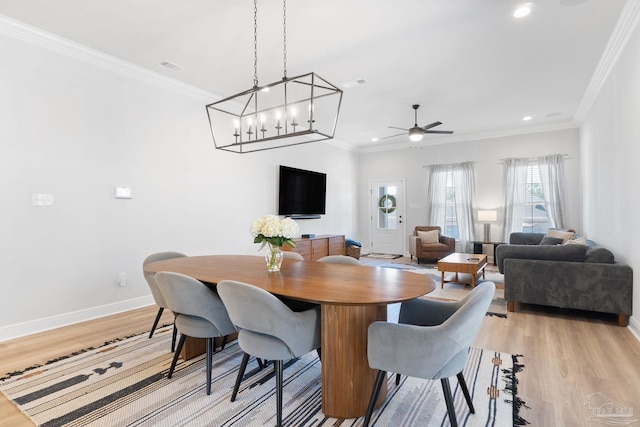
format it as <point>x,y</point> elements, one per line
<point>487,216</point>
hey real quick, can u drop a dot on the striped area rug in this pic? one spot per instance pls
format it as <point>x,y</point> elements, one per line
<point>124,384</point>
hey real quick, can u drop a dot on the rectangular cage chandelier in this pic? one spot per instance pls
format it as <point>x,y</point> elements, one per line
<point>293,111</point>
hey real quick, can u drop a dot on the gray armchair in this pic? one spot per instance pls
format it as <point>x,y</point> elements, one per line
<point>157,295</point>
<point>268,329</point>
<point>430,250</point>
<point>431,341</point>
<point>199,313</point>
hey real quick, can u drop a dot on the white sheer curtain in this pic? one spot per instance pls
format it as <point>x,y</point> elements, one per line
<point>553,183</point>
<point>515,187</point>
<point>554,188</point>
<point>463,181</point>
<point>437,195</point>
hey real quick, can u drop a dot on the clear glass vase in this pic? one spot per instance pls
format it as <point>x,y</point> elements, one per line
<point>273,257</point>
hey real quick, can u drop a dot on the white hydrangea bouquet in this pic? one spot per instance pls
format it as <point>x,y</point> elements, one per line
<point>275,232</point>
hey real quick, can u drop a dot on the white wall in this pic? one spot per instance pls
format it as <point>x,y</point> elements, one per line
<point>487,155</point>
<point>77,130</point>
<point>610,147</point>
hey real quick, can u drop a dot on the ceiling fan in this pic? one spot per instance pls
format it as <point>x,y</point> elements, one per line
<point>417,132</point>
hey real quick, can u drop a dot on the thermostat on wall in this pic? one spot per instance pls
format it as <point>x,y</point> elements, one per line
<point>123,193</point>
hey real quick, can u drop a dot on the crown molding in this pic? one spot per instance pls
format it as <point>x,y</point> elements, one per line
<point>35,36</point>
<point>626,25</point>
<point>462,137</point>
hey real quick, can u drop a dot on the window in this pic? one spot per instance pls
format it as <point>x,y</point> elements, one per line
<point>450,217</point>
<point>535,194</point>
<point>534,215</point>
<point>387,212</point>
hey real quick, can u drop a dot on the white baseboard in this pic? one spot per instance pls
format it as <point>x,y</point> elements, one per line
<point>47,323</point>
<point>634,327</point>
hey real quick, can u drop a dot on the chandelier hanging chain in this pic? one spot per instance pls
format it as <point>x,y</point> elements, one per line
<point>255,43</point>
<point>284,35</point>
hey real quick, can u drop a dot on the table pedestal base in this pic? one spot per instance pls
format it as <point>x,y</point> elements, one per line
<point>347,380</point>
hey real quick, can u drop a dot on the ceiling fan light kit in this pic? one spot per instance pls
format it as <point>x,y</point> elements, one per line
<point>292,111</point>
<point>416,133</point>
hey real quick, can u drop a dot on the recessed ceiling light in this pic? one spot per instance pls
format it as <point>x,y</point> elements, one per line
<point>527,118</point>
<point>353,83</point>
<point>374,139</point>
<point>523,10</point>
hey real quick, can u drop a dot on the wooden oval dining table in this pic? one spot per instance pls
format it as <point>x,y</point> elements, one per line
<point>351,298</point>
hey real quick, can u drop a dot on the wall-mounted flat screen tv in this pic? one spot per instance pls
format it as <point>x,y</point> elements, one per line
<point>302,192</point>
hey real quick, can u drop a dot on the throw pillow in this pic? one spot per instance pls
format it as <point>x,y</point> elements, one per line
<point>579,241</point>
<point>431,236</point>
<point>547,240</point>
<point>561,234</point>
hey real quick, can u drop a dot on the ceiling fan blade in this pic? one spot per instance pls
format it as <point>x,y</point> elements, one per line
<point>393,127</point>
<point>392,136</point>
<point>448,132</point>
<point>432,125</point>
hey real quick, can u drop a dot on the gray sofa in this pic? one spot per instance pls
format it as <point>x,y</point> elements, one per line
<point>567,276</point>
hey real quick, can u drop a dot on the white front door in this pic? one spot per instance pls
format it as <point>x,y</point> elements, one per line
<point>388,234</point>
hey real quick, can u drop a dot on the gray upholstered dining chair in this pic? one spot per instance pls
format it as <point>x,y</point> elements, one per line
<point>292,255</point>
<point>268,329</point>
<point>431,341</point>
<point>157,295</point>
<point>340,259</point>
<point>199,313</point>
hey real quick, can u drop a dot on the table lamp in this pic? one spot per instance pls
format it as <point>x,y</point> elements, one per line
<point>487,217</point>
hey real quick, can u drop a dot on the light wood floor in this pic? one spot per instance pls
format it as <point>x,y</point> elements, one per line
<point>567,357</point>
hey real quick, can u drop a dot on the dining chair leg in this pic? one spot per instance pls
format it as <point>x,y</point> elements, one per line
<point>319,351</point>
<point>224,342</point>
<point>176,356</point>
<point>209,360</point>
<point>382,375</point>
<point>465,391</point>
<point>278,368</point>
<point>173,338</point>
<point>155,322</point>
<point>448,398</point>
<point>398,379</point>
<point>243,367</point>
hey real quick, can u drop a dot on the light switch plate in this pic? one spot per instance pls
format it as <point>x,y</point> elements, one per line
<point>39,199</point>
<point>123,193</point>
